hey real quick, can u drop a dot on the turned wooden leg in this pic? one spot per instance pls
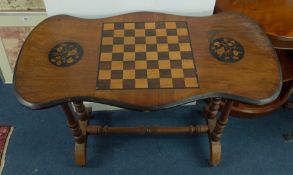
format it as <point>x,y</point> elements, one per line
<point>78,131</point>
<point>216,127</point>
<point>210,112</point>
<point>215,135</point>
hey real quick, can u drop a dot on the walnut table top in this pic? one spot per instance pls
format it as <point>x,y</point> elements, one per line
<point>146,61</point>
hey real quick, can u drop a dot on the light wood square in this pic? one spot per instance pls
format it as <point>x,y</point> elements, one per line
<point>140,65</point>
<point>172,39</point>
<point>140,48</point>
<point>177,73</point>
<point>166,83</point>
<point>175,55</point>
<point>153,73</point>
<point>164,64</point>
<point>117,65</point>
<point>107,41</point>
<point>182,32</point>
<point>106,57</point>
<point>109,26</point>
<point>128,74</point>
<point>118,33</point>
<point>128,56</point>
<point>116,84</point>
<point>129,26</point>
<point>185,47</point>
<point>152,55</point>
<point>150,25</point>
<point>171,25</point>
<point>191,82</point>
<point>141,83</point>
<point>104,74</point>
<point>162,47</point>
<point>187,64</point>
<point>118,48</point>
<point>139,32</point>
<point>151,40</point>
<point>161,32</point>
<point>129,40</point>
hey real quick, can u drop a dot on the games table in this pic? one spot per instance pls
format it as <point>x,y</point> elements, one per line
<point>147,61</point>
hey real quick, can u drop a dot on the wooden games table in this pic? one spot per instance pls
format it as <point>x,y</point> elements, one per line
<point>147,61</point>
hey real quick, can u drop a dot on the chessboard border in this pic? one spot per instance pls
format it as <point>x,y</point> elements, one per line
<point>194,62</point>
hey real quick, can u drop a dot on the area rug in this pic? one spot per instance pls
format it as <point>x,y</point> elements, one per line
<point>5,132</point>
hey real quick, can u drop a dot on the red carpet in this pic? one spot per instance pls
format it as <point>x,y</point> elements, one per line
<point>5,132</point>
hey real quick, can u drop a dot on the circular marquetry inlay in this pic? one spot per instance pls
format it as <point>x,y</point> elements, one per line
<point>65,54</point>
<point>226,50</point>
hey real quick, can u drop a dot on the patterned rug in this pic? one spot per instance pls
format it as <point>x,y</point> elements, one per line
<point>5,132</point>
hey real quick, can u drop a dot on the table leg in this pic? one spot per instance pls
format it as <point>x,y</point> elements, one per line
<point>216,127</point>
<point>79,133</point>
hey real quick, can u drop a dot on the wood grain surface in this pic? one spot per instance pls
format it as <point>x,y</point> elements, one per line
<point>274,16</point>
<point>255,79</point>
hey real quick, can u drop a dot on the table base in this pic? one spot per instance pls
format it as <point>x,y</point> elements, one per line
<point>214,128</point>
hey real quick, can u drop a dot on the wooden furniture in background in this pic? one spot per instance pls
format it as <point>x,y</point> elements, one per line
<point>147,61</point>
<point>275,17</point>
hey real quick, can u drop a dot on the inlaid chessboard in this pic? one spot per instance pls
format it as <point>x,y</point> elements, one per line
<point>146,55</point>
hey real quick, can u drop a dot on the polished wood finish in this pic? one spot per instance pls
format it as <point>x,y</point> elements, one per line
<point>65,67</point>
<point>222,122</point>
<point>274,16</point>
<point>252,111</point>
<point>97,130</point>
<point>216,127</point>
<point>73,124</point>
<point>211,110</point>
<point>45,84</point>
<point>78,129</point>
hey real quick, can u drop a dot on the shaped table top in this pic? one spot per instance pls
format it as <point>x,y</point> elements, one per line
<point>146,61</point>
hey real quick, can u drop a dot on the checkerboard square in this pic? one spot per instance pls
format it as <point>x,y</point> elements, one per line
<point>152,56</point>
<point>153,73</point>
<point>105,75</point>
<point>129,40</point>
<point>129,26</point>
<point>117,65</point>
<point>117,56</point>
<point>106,57</point>
<point>129,65</point>
<point>139,32</point>
<point>118,33</point>
<point>140,74</point>
<point>129,74</point>
<point>129,56</point>
<point>103,84</point>
<point>150,25</point>
<point>109,26</point>
<point>140,65</point>
<point>118,40</point>
<point>141,83</point>
<point>116,74</point>
<point>116,84</point>
<point>140,55</point>
<point>190,82</point>
<point>177,73</point>
<point>166,83</point>
<point>107,41</point>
